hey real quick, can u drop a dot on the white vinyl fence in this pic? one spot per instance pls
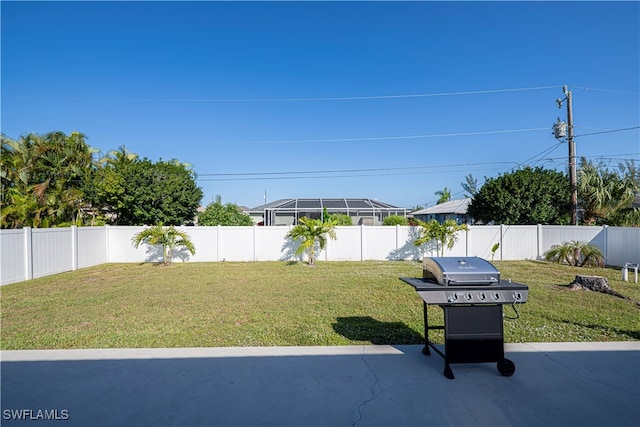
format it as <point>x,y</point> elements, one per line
<point>30,253</point>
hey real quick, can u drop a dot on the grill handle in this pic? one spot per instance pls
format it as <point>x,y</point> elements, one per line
<point>473,282</point>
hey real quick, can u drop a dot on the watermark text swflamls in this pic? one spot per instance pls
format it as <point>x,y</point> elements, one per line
<point>35,414</point>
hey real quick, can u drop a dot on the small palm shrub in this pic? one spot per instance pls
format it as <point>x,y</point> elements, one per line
<point>169,237</point>
<point>445,234</point>
<point>576,254</point>
<point>312,232</point>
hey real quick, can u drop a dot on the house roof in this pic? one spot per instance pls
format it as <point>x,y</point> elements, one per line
<point>451,207</point>
<point>332,204</point>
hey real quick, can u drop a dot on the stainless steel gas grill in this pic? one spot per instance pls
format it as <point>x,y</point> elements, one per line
<point>471,293</point>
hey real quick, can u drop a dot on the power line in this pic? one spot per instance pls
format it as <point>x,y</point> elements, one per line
<point>271,178</point>
<point>384,138</point>
<point>340,98</point>
<point>350,170</point>
<point>548,150</point>
<point>368,172</point>
<point>607,90</point>
<point>387,138</point>
<point>608,131</point>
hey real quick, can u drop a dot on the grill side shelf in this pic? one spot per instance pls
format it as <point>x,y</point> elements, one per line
<point>499,293</point>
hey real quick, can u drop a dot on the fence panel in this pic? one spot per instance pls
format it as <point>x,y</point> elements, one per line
<point>623,245</point>
<point>205,240</point>
<point>121,249</point>
<point>52,250</point>
<point>519,242</point>
<point>92,246</point>
<point>385,243</point>
<point>481,239</point>
<point>13,259</point>
<point>235,244</point>
<point>271,244</point>
<point>559,234</point>
<point>346,247</point>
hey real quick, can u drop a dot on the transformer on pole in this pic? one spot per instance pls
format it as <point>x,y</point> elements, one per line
<point>562,130</point>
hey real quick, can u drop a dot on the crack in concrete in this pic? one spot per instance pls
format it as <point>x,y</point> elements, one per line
<point>373,396</point>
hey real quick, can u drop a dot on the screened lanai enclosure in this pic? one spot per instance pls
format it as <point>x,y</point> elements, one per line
<point>289,211</point>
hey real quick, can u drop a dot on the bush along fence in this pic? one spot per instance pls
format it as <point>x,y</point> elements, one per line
<point>30,253</point>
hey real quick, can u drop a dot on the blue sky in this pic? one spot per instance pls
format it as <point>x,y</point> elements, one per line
<point>384,100</point>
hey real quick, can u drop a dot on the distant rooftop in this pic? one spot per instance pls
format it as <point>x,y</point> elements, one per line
<point>459,207</point>
<point>320,203</point>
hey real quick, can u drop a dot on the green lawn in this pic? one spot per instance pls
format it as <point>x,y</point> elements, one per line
<point>280,303</point>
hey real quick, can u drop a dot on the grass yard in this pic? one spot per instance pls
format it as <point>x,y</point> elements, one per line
<point>280,303</point>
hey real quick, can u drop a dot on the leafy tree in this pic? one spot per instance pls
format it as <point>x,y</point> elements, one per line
<point>218,214</point>
<point>444,234</point>
<point>444,195</point>
<point>42,179</point>
<point>141,192</point>
<point>312,233</point>
<point>395,220</point>
<point>336,218</point>
<point>169,237</point>
<point>576,254</point>
<point>524,196</point>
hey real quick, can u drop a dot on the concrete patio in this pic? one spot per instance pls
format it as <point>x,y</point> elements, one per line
<point>555,384</point>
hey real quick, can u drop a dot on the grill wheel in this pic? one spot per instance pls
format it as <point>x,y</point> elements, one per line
<point>506,367</point>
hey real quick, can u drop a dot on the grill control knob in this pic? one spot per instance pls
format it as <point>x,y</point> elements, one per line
<point>495,296</point>
<point>468,296</point>
<point>482,296</point>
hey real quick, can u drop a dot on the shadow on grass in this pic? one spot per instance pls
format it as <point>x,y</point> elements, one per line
<point>365,328</point>
<point>632,334</point>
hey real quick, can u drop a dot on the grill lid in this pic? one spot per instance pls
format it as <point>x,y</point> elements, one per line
<point>459,271</point>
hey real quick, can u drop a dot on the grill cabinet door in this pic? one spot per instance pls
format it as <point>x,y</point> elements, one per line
<point>474,334</point>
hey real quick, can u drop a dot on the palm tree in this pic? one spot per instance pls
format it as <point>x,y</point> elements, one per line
<point>445,234</point>
<point>470,185</point>
<point>576,254</point>
<point>42,177</point>
<point>605,196</point>
<point>120,157</point>
<point>169,237</point>
<point>312,232</point>
<point>444,195</point>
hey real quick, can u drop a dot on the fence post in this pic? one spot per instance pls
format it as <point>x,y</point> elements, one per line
<point>466,242</point>
<point>362,242</point>
<point>255,242</point>
<point>28,254</point>
<point>501,241</point>
<point>605,244</point>
<point>74,248</point>
<point>218,244</point>
<point>539,241</point>
<point>106,239</point>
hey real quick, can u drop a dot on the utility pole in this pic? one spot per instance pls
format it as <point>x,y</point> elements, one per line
<point>561,130</point>
<point>573,181</point>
